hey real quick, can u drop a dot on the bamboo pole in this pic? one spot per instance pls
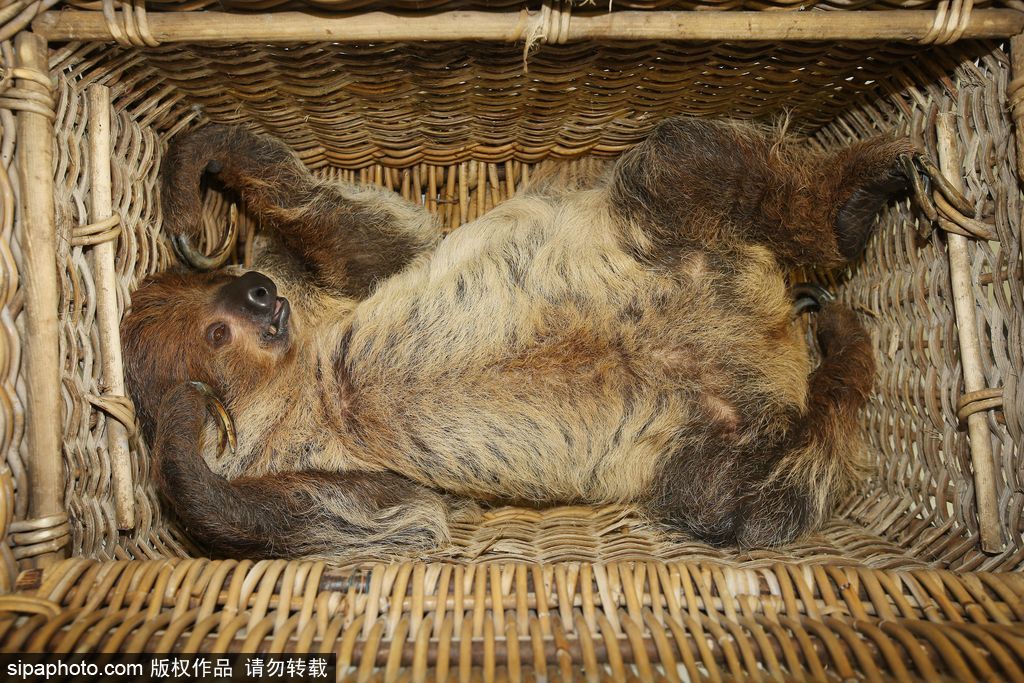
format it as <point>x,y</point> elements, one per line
<point>107,319</point>
<point>980,439</point>
<point>38,246</point>
<point>284,27</point>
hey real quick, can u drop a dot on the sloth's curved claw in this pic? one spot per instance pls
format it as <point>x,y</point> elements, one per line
<point>225,425</point>
<point>810,297</point>
<point>920,186</point>
<point>189,254</point>
<point>942,184</point>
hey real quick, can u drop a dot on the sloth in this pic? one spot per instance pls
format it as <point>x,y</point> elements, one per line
<point>619,336</point>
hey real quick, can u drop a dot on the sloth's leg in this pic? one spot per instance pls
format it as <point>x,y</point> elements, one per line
<point>289,514</point>
<point>770,493</point>
<point>696,182</point>
<point>348,236</point>
<point>822,456</point>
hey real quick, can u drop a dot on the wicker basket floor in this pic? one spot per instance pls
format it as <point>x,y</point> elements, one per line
<point>677,620</point>
<point>566,593</point>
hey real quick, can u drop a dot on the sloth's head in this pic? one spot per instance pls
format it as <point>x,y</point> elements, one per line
<point>231,331</point>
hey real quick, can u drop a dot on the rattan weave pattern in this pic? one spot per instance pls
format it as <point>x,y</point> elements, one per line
<point>570,621</point>
<point>902,284</point>
<point>12,418</point>
<point>402,104</point>
<point>618,534</point>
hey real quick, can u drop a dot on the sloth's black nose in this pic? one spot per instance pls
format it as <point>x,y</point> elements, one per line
<point>255,292</point>
<point>261,293</point>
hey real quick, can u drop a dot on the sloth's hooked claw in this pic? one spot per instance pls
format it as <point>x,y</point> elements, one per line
<point>941,202</point>
<point>942,184</point>
<point>920,187</point>
<point>188,253</point>
<point>810,297</point>
<point>225,425</point>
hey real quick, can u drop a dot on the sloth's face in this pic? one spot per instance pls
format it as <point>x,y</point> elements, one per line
<point>247,332</point>
<point>247,311</point>
<point>231,331</point>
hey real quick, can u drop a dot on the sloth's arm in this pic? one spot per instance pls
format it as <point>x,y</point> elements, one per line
<point>347,236</point>
<point>695,183</point>
<point>289,514</point>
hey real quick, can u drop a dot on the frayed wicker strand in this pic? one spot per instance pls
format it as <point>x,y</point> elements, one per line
<point>550,25</point>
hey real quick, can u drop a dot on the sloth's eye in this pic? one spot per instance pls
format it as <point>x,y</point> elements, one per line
<point>218,334</point>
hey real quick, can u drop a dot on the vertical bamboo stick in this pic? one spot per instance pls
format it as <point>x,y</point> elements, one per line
<point>98,97</point>
<point>970,357</point>
<point>38,246</point>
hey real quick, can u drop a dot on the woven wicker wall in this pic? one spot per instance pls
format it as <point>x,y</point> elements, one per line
<point>903,285</point>
<point>12,416</point>
<point>141,251</point>
<point>401,104</point>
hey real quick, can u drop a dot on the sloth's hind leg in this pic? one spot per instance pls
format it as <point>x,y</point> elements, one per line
<point>696,182</point>
<point>822,455</point>
<point>769,493</point>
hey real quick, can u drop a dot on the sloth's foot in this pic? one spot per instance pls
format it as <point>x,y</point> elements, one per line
<point>885,176</point>
<point>225,425</point>
<point>810,297</point>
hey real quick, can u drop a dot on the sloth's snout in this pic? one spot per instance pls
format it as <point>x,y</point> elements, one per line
<point>254,293</point>
<point>262,294</point>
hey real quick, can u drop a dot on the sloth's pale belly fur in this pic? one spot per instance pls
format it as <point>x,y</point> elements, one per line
<point>530,358</point>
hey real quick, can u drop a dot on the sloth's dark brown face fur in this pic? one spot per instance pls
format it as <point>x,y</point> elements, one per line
<point>225,330</point>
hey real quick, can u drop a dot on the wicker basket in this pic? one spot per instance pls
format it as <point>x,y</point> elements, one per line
<point>453,106</point>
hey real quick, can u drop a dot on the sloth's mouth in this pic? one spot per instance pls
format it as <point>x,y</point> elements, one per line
<point>278,328</point>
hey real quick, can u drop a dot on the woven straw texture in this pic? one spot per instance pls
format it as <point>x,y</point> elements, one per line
<point>896,586</point>
<point>513,621</point>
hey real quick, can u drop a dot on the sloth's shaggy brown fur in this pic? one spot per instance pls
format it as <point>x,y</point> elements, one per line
<point>627,337</point>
